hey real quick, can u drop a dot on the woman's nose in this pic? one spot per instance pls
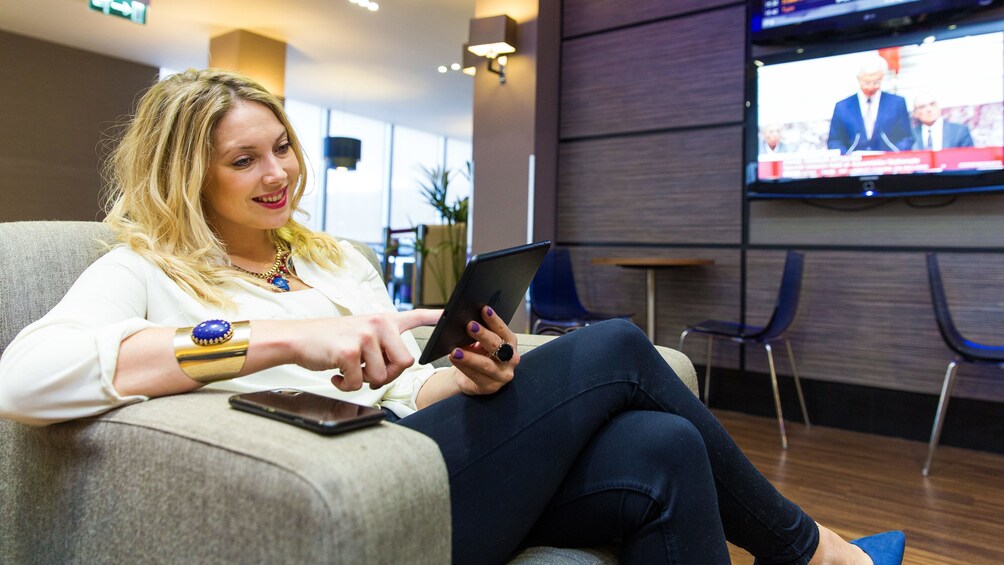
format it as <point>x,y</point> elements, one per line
<point>274,172</point>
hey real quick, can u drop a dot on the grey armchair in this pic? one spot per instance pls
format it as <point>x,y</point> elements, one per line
<point>187,479</point>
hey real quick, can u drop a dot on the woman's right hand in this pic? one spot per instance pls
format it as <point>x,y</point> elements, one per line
<point>146,363</point>
<point>364,349</point>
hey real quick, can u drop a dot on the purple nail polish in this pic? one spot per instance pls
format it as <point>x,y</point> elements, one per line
<point>475,328</point>
<point>490,312</point>
<point>458,354</point>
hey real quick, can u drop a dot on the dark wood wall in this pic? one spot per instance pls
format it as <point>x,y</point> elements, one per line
<point>58,107</point>
<point>650,164</point>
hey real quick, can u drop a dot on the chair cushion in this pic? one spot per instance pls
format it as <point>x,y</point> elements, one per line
<point>53,252</point>
<point>566,556</point>
<point>186,478</point>
<point>726,329</point>
<point>981,353</point>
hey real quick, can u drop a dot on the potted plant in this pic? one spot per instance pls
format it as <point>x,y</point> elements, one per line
<point>443,248</point>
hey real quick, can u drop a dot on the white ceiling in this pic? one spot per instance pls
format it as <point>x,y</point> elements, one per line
<point>381,65</point>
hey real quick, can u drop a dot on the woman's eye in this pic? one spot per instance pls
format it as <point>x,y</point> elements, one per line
<point>283,148</point>
<point>242,162</point>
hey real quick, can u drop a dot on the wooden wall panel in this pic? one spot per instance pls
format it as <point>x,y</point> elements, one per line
<point>674,73</point>
<point>681,187</point>
<point>57,107</point>
<point>972,220</point>
<point>586,16</point>
<point>866,318</point>
<point>683,296</point>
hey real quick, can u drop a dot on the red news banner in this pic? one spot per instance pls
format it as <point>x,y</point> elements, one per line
<point>793,165</point>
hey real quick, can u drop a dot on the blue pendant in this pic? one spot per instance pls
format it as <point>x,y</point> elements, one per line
<point>281,283</point>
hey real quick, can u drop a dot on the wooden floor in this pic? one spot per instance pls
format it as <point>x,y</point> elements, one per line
<point>859,484</point>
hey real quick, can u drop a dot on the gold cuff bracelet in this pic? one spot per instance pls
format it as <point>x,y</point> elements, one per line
<point>219,359</point>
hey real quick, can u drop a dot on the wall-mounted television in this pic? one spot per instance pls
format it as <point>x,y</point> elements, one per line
<point>785,21</point>
<point>902,115</point>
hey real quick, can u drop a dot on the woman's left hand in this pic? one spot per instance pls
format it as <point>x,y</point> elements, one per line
<point>488,364</point>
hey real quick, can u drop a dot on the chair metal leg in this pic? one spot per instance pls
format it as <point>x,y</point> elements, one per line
<point>683,336</point>
<point>939,417</point>
<point>707,372</point>
<point>798,384</point>
<point>777,396</point>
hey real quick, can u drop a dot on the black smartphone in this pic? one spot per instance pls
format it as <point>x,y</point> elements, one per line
<point>314,412</point>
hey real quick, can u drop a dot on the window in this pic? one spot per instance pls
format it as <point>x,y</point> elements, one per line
<point>458,158</point>
<point>356,199</point>
<point>413,150</point>
<point>385,189</point>
<point>308,122</point>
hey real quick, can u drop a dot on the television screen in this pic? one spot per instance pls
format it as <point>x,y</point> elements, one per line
<point>903,116</point>
<point>774,21</point>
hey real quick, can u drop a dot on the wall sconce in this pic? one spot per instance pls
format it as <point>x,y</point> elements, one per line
<point>342,152</point>
<point>469,62</point>
<point>493,38</point>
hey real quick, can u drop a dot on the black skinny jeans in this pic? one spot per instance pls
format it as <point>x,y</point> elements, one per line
<point>597,441</point>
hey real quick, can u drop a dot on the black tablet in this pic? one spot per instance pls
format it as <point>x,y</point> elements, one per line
<point>498,279</point>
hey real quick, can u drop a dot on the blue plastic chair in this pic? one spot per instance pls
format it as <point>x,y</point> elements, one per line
<point>966,351</point>
<point>775,330</point>
<point>554,301</point>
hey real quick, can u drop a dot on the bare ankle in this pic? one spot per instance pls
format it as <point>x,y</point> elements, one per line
<point>834,550</point>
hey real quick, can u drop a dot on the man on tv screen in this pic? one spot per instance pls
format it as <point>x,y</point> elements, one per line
<point>934,133</point>
<point>770,140</point>
<point>870,119</point>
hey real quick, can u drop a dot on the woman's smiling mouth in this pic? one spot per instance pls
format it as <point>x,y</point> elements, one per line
<point>274,200</point>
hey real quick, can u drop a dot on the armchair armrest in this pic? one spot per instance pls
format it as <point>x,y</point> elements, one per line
<point>188,479</point>
<point>679,362</point>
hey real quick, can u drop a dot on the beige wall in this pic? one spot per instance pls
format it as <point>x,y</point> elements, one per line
<point>58,106</point>
<point>515,126</point>
<point>503,135</point>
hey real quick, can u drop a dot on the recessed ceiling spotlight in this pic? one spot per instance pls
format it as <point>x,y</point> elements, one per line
<point>452,67</point>
<point>368,4</point>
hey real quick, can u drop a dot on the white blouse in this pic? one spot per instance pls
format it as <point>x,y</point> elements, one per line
<point>61,367</point>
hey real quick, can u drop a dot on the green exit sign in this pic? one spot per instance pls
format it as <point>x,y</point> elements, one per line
<point>132,10</point>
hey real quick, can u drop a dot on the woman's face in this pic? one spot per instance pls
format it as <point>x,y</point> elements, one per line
<point>251,174</point>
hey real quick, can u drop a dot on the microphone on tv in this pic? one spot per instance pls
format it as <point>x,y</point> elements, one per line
<point>885,138</point>
<point>857,138</point>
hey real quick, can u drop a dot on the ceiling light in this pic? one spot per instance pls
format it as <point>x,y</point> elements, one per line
<point>369,5</point>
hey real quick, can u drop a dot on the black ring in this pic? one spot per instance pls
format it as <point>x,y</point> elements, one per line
<point>504,353</point>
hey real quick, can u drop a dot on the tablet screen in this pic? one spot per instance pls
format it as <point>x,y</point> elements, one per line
<point>498,279</point>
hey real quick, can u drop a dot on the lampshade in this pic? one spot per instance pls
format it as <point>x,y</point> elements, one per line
<point>490,37</point>
<point>342,152</point>
<point>469,62</point>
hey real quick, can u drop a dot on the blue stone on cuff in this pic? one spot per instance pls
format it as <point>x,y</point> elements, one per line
<point>212,332</point>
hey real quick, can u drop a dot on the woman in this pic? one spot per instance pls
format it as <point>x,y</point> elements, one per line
<point>590,439</point>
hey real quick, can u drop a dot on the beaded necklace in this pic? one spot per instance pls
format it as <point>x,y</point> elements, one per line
<point>278,275</point>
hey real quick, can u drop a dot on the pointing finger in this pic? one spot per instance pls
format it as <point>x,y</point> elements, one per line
<point>415,318</point>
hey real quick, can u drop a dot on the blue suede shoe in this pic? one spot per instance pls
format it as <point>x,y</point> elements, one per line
<point>885,548</point>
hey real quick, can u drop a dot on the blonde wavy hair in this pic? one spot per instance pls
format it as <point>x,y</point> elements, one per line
<point>157,172</point>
